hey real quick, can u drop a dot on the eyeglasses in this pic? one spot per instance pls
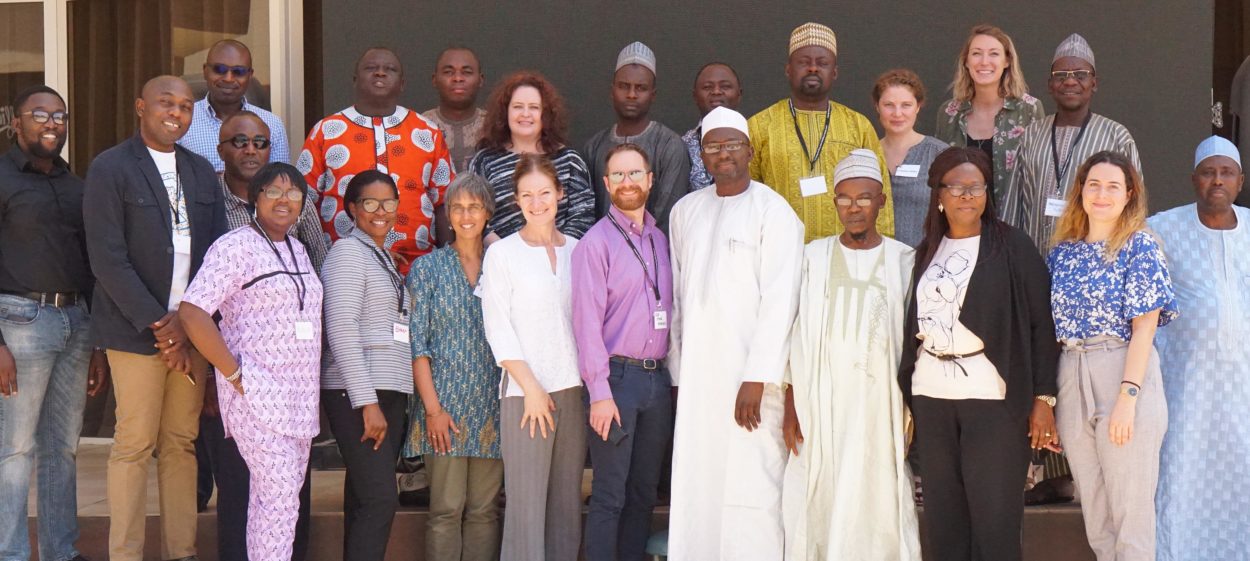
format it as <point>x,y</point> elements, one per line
<point>274,193</point>
<point>371,205</point>
<point>974,191</point>
<point>1063,75</point>
<point>222,69</point>
<point>847,201</point>
<point>41,117</point>
<point>241,141</point>
<point>618,177</point>
<point>732,146</point>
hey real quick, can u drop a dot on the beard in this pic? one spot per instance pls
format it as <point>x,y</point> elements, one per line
<point>629,202</point>
<point>38,149</point>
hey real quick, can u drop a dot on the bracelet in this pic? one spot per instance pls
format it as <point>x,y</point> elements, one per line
<point>1134,384</point>
<point>231,378</point>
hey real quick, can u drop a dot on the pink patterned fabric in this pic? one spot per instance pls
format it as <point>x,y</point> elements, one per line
<point>281,373</point>
<point>276,464</point>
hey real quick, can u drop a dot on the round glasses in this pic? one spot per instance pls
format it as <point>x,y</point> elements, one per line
<point>618,177</point>
<point>274,193</point>
<point>974,191</point>
<point>372,205</point>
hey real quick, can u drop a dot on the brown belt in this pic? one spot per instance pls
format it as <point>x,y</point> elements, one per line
<point>54,299</point>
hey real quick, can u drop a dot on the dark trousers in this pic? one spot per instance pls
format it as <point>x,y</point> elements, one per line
<point>627,474</point>
<point>370,496</point>
<point>229,470</point>
<point>974,454</point>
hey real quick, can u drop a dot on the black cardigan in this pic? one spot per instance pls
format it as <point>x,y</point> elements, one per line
<point>1008,307</point>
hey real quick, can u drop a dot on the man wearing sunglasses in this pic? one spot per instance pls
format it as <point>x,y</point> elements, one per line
<point>45,346</point>
<point>228,73</point>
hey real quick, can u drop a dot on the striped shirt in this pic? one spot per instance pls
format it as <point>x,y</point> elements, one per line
<point>307,228</point>
<point>576,213</point>
<point>362,309</point>
<point>1033,181</point>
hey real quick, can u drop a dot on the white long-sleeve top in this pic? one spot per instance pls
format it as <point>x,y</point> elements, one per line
<point>528,313</point>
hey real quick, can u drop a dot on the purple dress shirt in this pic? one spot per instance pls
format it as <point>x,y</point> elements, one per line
<point>613,304</point>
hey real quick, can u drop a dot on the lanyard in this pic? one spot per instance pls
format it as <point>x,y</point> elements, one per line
<point>655,284</point>
<point>811,160</point>
<point>1054,151</point>
<point>396,281</point>
<point>296,276</point>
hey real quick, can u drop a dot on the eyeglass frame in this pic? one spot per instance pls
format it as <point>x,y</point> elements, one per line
<point>238,71</point>
<point>861,202</point>
<point>242,138</point>
<point>293,195</point>
<point>382,204</point>
<point>34,115</point>
<point>961,190</point>
<point>1062,76</point>
<point>716,148</point>
<point>641,173</point>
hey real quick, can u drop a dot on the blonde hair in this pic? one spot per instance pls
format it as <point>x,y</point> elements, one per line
<point>1010,86</point>
<point>1073,224</point>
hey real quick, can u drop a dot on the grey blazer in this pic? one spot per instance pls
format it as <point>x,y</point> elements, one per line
<point>127,219</point>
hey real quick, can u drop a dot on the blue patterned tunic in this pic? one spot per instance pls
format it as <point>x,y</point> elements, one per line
<point>1091,297</point>
<point>446,326</point>
<point>1205,358</point>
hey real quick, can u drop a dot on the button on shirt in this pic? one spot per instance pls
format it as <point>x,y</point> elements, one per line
<point>43,247</point>
<point>204,134</point>
<point>613,304</point>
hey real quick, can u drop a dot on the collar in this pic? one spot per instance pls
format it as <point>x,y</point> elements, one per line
<point>623,139</point>
<point>22,161</point>
<point>213,112</point>
<point>360,235</point>
<point>392,120</point>
<point>231,198</point>
<point>1009,104</point>
<point>648,221</point>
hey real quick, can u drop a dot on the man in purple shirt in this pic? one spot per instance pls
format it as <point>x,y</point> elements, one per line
<point>622,302</point>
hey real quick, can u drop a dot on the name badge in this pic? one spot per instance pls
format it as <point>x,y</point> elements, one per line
<point>809,186</point>
<point>400,332</point>
<point>1055,207</point>
<point>660,319</point>
<point>907,170</point>
<point>304,330</point>
<point>182,244</point>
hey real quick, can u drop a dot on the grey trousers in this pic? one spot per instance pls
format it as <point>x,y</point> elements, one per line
<point>464,517</point>
<point>543,518</point>
<point>1117,484</point>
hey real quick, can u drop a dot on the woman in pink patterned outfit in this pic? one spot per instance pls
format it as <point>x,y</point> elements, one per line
<point>266,350</point>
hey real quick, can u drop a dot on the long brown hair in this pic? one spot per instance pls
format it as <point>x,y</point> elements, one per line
<point>935,224</point>
<point>496,134</point>
<point>1073,224</point>
<point>1010,86</point>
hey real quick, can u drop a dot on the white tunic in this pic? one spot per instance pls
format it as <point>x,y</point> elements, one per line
<point>848,494</point>
<point>735,276</point>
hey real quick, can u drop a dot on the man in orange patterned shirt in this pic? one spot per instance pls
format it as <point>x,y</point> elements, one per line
<point>376,132</point>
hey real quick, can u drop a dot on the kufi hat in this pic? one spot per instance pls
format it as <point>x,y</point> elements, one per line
<point>1075,46</point>
<point>636,53</point>
<point>812,33</point>
<point>1216,146</point>
<point>861,162</point>
<point>724,117</point>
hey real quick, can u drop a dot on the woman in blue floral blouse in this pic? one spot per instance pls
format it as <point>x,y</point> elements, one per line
<point>1110,291</point>
<point>454,420</point>
<point>991,107</point>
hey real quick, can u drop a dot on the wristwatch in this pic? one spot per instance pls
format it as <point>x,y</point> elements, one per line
<point>1048,399</point>
<point>1128,390</point>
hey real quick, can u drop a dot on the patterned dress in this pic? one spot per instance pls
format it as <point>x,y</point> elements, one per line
<point>446,327</point>
<point>1009,125</point>
<point>404,144</point>
<point>1206,366</point>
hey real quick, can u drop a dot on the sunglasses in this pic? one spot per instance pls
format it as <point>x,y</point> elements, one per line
<point>41,117</point>
<point>222,69</point>
<point>241,141</point>
<point>372,205</point>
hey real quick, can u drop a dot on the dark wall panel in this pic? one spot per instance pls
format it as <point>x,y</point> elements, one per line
<point>1154,57</point>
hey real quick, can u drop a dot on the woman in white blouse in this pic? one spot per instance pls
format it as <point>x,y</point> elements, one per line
<point>526,292</point>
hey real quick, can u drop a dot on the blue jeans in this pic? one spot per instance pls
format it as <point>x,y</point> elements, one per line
<point>627,475</point>
<point>52,350</point>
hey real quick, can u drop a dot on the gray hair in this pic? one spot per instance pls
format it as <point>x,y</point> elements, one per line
<point>473,186</point>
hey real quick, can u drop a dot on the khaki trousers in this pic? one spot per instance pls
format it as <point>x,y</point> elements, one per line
<point>464,517</point>
<point>158,410</point>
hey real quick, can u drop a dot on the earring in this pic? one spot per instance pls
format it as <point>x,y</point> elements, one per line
<point>941,208</point>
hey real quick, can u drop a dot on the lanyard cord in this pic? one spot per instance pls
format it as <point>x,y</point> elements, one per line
<point>296,276</point>
<point>811,160</point>
<point>655,285</point>
<point>1054,151</point>
<point>393,274</point>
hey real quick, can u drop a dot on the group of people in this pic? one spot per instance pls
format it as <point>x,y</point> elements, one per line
<point>463,285</point>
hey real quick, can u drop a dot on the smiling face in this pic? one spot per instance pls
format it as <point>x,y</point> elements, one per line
<point>633,90</point>
<point>379,77</point>
<point>811,71</point>
<point>375,224</point>
<point>539,198</point>
<point>164,111</point>
<point>628,195</point>
<point>227,88</point>
<point>243,163</point>
<point>1071,94</point>
<point>525,112</point>
<point>41,140</point>
<point>1217,182</point>
<point>727,166</point>
<point>458,78</point>
<point>1105,193</point>
<point>986,60</point>
<point>716,86</point>
<point>278,215</point>
<point>468,216</point>
<point>964,211</point>
<point>897,109</point>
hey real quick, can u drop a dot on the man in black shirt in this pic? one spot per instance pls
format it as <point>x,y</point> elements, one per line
<point>45,348</point>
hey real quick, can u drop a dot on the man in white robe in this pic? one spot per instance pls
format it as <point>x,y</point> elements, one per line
<point>848,491</point>
<point>736,250</point>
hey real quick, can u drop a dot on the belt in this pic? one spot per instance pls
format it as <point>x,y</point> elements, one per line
<point>953,357</point>
<point>644,363</point>
<point>1084,376</point>
<point>54,299</point>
